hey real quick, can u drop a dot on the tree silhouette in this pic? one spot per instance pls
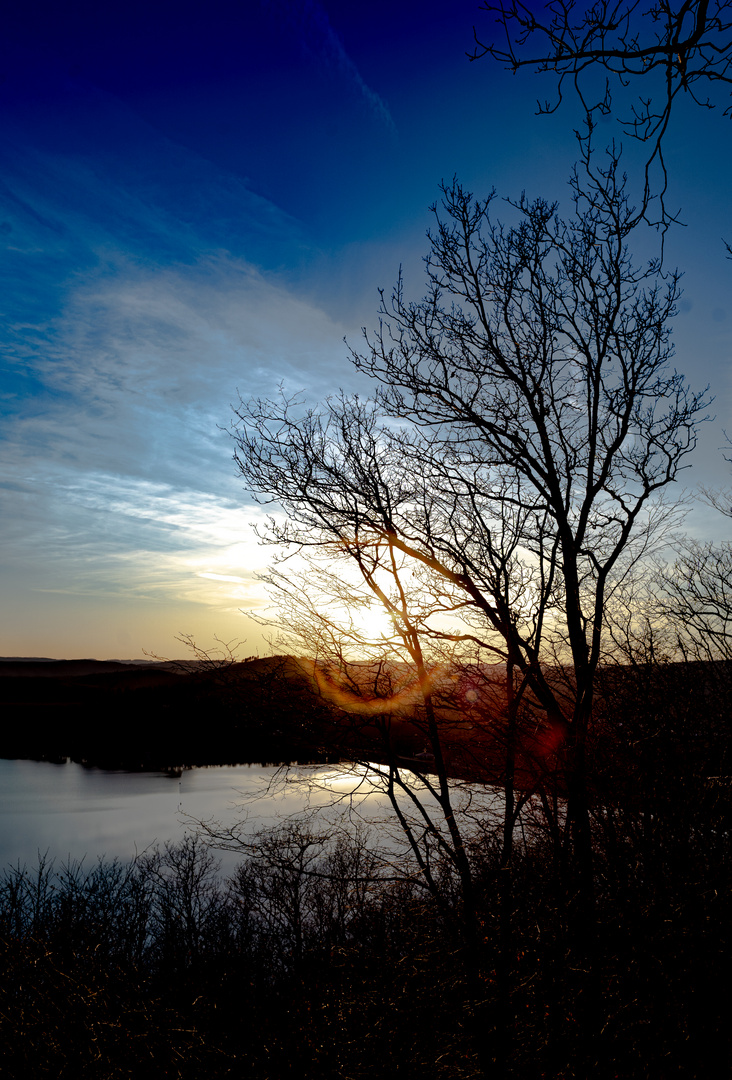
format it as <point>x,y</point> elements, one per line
<point>662,50</point>
<point>510,470</point>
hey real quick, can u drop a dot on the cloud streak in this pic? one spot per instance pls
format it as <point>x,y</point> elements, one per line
<point>116,479</point>
<point>311,24</point>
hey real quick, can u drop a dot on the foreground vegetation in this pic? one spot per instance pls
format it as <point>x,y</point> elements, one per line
<point>316,958</point>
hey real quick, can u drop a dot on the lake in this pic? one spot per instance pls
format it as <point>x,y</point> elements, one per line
<point>68,810</point>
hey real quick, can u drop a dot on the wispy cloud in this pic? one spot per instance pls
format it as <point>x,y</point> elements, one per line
<point>125,461</point>
<point>105,534</point>
<point>315,31</point>
<point>140,368</point>
<point>136,308</point>
<point>116,477</point>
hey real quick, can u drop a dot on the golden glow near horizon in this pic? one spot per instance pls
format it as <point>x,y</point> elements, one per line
<point>193,570</point>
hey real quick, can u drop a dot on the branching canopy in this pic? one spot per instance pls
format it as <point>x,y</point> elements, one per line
<point>525,421</point>
<point>662,50</point>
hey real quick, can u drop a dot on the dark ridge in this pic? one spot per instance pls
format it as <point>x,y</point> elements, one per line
<point>158,715</point>
<point>40,667</point>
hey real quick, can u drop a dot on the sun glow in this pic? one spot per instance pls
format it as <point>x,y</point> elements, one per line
<point>371,623</point>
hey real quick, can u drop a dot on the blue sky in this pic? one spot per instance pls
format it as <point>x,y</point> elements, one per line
<point>198,200</point>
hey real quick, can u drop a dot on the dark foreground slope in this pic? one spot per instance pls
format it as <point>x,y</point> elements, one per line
<point>347,968</point>
<point>161,969</point>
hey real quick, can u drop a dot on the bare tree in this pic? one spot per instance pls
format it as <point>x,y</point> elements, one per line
<point>541,354</point>
<point>525,424</point>
<point>694,593</point>
<point>424,720</point>
<point>664,49</point>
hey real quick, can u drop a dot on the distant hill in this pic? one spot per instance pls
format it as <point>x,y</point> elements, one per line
<point>153,715</point>
<point>44,667</point>
<point>157,714</point>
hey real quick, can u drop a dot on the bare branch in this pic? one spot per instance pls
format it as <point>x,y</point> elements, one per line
<point>606,48</point>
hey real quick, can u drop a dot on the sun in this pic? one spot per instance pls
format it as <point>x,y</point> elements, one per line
<point>372,623</point>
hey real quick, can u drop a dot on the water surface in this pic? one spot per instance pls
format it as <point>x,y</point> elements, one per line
<point>69,811</point>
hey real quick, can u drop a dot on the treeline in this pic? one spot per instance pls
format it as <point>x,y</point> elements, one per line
<point>271,710</point>
<point>158,716</point>
<point>319,958</point>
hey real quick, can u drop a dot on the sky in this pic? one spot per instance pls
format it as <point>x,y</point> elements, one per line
<point>200,201</point>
